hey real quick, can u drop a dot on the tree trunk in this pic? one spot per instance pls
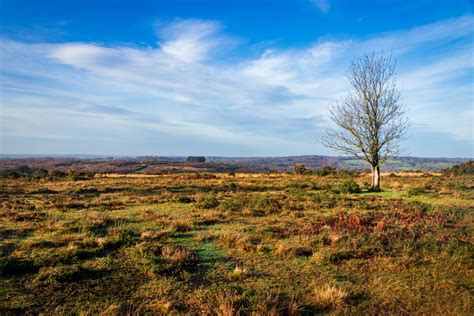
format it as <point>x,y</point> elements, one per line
<point>375,179</point>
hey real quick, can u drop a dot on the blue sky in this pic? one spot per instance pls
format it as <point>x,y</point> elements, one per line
<point>228,78</point>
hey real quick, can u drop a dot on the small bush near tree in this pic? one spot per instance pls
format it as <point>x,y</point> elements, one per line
<point>349,186</point>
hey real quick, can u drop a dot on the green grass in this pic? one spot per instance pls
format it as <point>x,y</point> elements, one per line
<point>254,244</point>
<point>384,193</point>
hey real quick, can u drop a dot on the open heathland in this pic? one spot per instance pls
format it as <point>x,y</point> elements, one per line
<point>225,244</point>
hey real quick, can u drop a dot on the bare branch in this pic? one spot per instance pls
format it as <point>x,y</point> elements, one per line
<point>371,119</point>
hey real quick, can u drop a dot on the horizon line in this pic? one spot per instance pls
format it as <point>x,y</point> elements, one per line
<point>3,156</point>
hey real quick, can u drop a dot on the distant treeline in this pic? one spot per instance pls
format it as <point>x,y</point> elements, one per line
<point>36,174</point>
<point>196,159</point>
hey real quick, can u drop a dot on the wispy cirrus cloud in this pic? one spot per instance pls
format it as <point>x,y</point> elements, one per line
<point>183,96</point>
<point>191,41</point>
<point>322,5</point>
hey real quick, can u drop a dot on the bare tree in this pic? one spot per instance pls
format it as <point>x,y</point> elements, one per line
<point>370,120</point>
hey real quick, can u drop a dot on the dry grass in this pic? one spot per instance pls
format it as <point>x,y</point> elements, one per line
<point>328,296</point>
<point>237,273</point>
<point>253,244</point>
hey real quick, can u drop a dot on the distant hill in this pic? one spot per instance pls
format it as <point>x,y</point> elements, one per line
<point>157,165</point>
<point>316,162</point>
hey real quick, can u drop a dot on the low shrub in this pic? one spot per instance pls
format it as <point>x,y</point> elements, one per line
<point>40,174</point>
<point>466,168</point>
<point>323,199</point>
<point>232,186</point>
<point>186,199</point>
<point>301,169</point>
<point>233,205</point>
<point>57,174</point>
<point>349,186</point>
<point>349,173</point>
<point>326,171</point>
<point>209,201</point>
<point>78,176</point>
<point>265,204</point>
<point>303,251</point>
<point>9,173</point>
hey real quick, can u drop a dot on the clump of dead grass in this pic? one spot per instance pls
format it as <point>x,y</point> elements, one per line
<point>328,296</point>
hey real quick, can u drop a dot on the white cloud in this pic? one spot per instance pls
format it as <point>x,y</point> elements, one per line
<point>325,51</point>
<point>189,40</point>
<point>192,41</point>
<point>82,55</point>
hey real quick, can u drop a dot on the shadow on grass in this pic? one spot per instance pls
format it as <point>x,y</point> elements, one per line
<point>381,193</point>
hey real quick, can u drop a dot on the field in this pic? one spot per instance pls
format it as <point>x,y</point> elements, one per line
<point>263,244</point>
